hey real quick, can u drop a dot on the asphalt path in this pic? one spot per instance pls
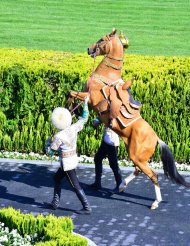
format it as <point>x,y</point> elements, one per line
<point>116,219</point>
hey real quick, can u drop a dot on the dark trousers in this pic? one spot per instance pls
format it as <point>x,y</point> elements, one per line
<point>74,182</point>
<point>71,177</point>
<point>106,150</point>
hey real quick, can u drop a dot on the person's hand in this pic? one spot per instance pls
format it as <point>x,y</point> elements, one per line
<point>95,125</point>
<point>86,99</point>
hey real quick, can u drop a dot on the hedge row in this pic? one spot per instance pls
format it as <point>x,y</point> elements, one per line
<point>32,83</point>
<point>54,231</point>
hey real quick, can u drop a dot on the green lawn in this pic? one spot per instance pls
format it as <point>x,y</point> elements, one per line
<point>154,27</point>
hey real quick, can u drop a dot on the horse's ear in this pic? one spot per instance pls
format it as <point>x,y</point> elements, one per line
<point>113,31</point>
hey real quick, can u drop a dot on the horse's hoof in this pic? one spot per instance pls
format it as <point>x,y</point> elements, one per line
<point>154,205</point>
<point>122,187</point>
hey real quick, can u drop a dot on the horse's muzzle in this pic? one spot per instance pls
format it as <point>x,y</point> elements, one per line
<point>90,51</point>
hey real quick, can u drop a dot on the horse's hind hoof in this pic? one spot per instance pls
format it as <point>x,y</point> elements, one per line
<point>154,205</point>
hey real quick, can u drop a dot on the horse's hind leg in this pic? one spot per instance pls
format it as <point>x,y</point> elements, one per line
<point>144,167</point>
<point>128,179</point>
<point>141,147</point>
<point>158,196</point>
<point>152,175</point>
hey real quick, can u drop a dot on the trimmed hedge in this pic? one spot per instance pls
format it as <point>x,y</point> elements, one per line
<point>55,231</point>
<point>32,83</point>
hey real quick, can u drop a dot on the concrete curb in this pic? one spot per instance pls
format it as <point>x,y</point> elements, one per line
<point>90,242</point>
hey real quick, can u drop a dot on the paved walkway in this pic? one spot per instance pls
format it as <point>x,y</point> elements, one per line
<point>117,219</point>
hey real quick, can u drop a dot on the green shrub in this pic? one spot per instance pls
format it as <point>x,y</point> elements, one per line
<point>54,230</point>
<point>33,83</point>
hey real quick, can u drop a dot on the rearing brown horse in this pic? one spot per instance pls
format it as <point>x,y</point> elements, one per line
<point>110,100</point>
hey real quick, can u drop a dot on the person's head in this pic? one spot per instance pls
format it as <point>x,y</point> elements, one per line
<point>61,118</point>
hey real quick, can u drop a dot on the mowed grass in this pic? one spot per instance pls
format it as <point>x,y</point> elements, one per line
<point>158,27</point>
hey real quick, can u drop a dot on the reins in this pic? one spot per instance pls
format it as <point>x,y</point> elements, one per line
<point>76,107</point>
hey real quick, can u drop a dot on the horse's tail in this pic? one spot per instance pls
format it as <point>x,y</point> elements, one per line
<point>170,169</point>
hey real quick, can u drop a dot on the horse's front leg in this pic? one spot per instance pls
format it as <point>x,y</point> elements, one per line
<point>79,95</point>
<point>128,179</point>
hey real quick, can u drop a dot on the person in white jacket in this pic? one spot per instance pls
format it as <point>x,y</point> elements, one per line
<point>65,142</point>
<point>108,148</point>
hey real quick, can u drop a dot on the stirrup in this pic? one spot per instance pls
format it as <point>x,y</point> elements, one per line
<point>134,103</point>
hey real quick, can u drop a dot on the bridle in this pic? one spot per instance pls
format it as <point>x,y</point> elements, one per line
<point>115,58</point>
<point>106,62</point>
<point>102,43</point>
<point>109,57</point>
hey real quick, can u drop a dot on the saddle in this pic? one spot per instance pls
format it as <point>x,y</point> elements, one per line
<point>117,103</point>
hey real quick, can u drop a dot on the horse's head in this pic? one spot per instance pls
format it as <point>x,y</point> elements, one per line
<point>108,44</point>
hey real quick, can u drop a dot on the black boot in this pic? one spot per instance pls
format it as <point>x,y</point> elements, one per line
<point>56,196</point>
<point>97,184</point>
<point>118,179</point>
<point>83,199</point>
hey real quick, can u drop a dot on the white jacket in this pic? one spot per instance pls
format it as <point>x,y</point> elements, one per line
<point>65,141</point>
<point>110,137</point>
